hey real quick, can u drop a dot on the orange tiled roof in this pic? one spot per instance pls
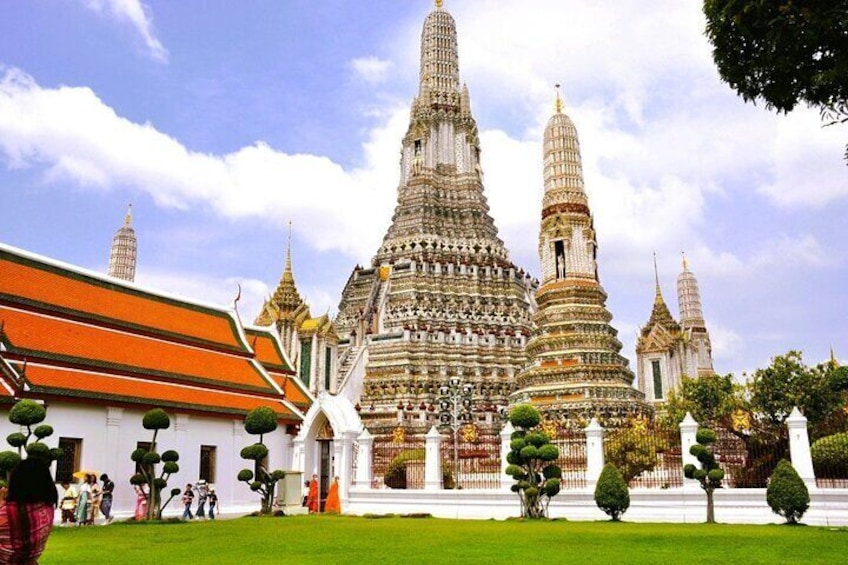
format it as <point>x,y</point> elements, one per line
<point>89,384</point>
<point>267,350</point>
<point>294,393</point>
<point>26,280</point>
<point>47,337</point>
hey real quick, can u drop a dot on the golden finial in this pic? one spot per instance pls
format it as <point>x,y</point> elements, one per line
<point>558,100</point>
<point>439,4</point>
<point>834,362</point>
<point>657,279</point>
<point>128,217</point>
<point>288,250</point>
<point>685,262</point>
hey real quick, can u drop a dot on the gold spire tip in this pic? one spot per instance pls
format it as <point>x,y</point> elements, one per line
<point>657,278</point>
<point>128,217</point>
<point>439,4</point>
<point>685,262</point>
<point>558,105</point>
<point>288,250</point>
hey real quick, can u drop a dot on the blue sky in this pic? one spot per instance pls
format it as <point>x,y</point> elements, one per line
<point>222,121</point>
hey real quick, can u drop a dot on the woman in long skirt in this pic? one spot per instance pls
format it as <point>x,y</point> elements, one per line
<point>140,503</point>
<point>83,504</point>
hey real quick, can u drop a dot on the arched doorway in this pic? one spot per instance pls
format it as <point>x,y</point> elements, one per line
<point>326,460</point>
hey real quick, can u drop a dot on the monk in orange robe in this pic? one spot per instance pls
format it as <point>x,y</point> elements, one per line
<point>333,504</point>
<point>312,498</point>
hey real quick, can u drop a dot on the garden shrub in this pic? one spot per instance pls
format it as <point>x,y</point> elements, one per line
<point>787,495</point>
<point>830,456</point>
<point>611,493</point>
<point>395,476</point>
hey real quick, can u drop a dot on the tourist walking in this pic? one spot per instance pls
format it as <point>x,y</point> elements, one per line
<point>69,503</point>
<point>83,503</point>
<point>213,502</point>
<point>188,500</point>
<point>333,504</point>
<point>106,496</point>
<point>96,497</point>
<point>140,502</point>
<point>26,512</point>
<point>202,493</point>
<point>312,497</point>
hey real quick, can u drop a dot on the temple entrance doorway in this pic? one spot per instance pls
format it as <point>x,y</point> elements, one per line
<point>326,463</point>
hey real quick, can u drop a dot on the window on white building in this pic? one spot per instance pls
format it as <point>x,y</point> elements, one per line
<point>69,462</point>
<point>658,386</point>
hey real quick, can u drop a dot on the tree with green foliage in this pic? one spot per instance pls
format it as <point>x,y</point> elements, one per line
<point>783,52</point>
<point>530,460</point>
<point>148,460</point>
<point>765,401</point>
<point>787,495</point>
<point>28,414</point>
<point>830,456</point>
<point>260,421</point>
<point>611,493</point>
<point>709,475</point>
<point>710,399</point>
<point>633,451</point>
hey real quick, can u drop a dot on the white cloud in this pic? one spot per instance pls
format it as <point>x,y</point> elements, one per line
<point>370,69</point>
<point>75,136</point>
<point>802,156</point>
<point>137,15</point>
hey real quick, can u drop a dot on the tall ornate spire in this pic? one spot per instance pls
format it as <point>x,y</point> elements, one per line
<point>567,238</point>
<point>122,259</point>
<point>576,371</point>
<point>441,297</point>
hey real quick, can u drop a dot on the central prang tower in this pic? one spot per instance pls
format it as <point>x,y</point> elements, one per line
<point>441,297</point>
<point>576,371</point>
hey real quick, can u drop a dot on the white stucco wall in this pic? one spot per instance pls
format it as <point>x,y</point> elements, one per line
<point>110,435</point>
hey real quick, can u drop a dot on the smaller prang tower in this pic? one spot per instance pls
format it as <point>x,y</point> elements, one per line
<point>666,350</point>
<point>576,371</point>
<point>122,259</point>
<point>692,321</point>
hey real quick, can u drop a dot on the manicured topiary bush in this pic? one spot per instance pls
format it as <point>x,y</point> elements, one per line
<point>530,459</point>
<point>830,456</point>
<point>709,475</point>
<point>787,495</point>
<point>260,421</point>
<point>28,413</point>
<point>147,461</point>
<point>611,493</point>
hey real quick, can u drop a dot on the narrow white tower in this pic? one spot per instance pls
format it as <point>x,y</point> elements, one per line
<point>692,320</point>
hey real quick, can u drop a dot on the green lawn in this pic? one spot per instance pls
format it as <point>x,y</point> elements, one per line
<point>332,539</point>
